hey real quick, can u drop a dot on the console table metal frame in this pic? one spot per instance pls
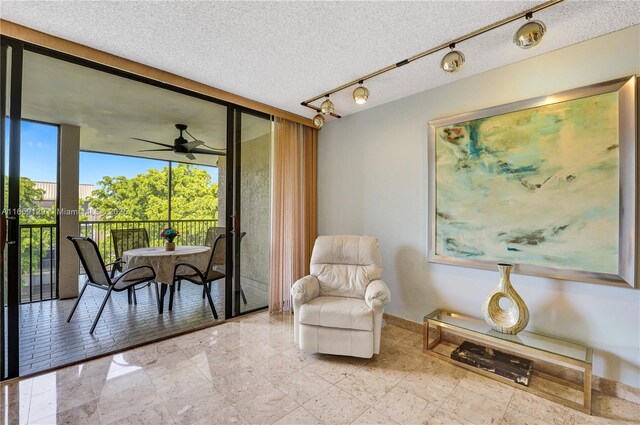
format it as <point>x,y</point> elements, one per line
<point>433,339</point>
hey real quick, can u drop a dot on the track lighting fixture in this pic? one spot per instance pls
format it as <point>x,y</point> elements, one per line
<point>318,121</point>
<point>360,94</point>
<point>529,34</point>
<point>327,107</point>
<point>452,61</point>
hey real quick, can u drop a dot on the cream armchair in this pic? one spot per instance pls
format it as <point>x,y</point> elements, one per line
<point>338,308</point>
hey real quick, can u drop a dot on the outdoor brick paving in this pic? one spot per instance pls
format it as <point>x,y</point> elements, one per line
<point>47,340</point>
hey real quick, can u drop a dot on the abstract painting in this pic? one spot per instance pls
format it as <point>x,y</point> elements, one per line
<point>535,186</point>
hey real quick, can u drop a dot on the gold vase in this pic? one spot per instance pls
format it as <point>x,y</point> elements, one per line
<point>512,319</point>
<point>170,246</point>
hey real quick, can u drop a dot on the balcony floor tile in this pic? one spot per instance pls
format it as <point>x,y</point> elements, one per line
<point>48,341</point>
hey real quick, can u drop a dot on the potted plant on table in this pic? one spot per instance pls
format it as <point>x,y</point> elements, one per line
<point>169,234</point>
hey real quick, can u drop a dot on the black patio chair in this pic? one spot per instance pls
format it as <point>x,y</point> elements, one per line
<point>194,275</point>
<point>99,277</point>
<point>126,239</point>
<point>217,262</point>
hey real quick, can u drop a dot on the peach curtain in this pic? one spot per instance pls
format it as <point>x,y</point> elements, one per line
<point>293,210</point>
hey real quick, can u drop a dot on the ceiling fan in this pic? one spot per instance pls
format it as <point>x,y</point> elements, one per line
<point>183,146</point>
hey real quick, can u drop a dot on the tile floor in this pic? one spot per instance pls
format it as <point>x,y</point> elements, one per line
<point>248,371</point>
<point>47,340</point>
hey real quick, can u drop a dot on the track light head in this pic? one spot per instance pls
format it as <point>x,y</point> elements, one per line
<point>360,94</point>
<point>327,107</point>
<point>529,34</point>
<point>452,61</point>
<point>318,121</point>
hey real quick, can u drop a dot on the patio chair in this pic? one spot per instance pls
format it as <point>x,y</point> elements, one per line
<point>124,240</point>
<point>198,277</point>
<point>99,277</point>
<point>218,259</point>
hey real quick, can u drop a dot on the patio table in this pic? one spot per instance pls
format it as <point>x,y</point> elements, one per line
<point>163,263</point>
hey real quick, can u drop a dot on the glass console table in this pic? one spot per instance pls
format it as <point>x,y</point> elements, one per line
<point>527,344</point>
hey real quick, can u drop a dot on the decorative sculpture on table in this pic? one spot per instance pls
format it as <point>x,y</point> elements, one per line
<point>512,319</point>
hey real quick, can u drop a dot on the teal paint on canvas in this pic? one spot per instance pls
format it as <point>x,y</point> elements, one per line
<point>537,186</point>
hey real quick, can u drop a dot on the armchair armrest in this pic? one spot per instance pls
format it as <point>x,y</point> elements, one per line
<point>304,290</point>
<point>377,295</point>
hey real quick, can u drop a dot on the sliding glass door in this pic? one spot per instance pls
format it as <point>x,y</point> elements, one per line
<point>10,226</point>
<point>123,136</point>
<point>251,211</point>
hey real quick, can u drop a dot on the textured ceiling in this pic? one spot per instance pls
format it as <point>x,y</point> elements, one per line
<point>281,53</point>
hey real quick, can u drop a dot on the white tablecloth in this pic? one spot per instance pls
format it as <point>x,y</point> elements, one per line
<point>163,262</point>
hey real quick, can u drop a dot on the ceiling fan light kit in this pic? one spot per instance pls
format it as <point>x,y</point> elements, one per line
<point>527,36</point>
<point>183,146</point>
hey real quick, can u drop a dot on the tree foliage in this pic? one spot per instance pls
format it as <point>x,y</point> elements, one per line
<point>30,213</point>
<point>145,196</point>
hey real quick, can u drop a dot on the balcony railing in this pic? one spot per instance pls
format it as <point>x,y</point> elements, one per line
<point>38,262</point>
<point>39,265</point>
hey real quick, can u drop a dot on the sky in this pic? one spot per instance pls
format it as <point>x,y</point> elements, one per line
<point>38,150</point>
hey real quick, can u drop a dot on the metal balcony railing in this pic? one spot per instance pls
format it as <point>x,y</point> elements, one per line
<point>39,251</point>
<point>38,262</point>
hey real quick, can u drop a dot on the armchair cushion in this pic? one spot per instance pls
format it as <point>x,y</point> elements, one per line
<point>344,265</point>
<point>337,312</point>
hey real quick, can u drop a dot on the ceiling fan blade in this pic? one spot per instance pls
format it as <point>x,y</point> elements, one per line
<point>155,143</point>
<point>191,145</point>
<point>191,156</point>
<point>156,150</point>
<point>208,152</point>
<point>215,149</point>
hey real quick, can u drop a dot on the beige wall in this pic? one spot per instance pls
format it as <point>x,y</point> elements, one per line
<point>69,194</point>
<point>255,163</point>
<point>255,204</point>
<point>372,179</point>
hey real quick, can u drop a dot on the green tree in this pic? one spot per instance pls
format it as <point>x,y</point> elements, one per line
<point>31,213</point>
<point>194,196</point>
<point>30,195</point>
<point>145,196</point>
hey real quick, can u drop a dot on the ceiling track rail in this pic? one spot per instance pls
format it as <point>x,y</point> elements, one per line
<point>435,49</point>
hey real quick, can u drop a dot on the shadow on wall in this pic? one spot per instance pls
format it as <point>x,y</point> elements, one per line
<point>613,365</point>
<point>558,309</point>
<point>414,290</point>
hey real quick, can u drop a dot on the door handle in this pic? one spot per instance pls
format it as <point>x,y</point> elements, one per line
<point>234,223</point>
<point>3,232</point>
<point>4,225</point>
